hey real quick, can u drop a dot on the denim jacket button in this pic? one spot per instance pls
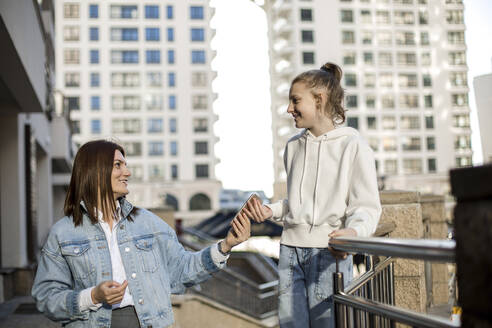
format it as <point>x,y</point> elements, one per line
<point>140,301</point>
<point>76,251</point>
<point>127,249</point>
<point>122,226</point>
<point>134,275</point>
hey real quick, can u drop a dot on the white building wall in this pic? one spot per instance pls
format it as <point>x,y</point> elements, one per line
<point>483,98</point>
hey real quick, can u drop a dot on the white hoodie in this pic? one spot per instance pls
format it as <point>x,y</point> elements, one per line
<point>331,184</point>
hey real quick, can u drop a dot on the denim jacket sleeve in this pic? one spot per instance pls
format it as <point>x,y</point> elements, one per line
<point>186,268</point>
<point>53,285</point>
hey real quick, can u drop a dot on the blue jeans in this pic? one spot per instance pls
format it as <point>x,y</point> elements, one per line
<point>306,286</point>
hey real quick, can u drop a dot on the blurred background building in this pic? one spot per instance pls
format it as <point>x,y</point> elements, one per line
<point>405,76</point>
<point>36,148</point>
<point>139,72</point>
<point>483,98</point>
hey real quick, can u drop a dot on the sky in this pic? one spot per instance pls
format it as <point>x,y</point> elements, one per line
<point>243,87</point>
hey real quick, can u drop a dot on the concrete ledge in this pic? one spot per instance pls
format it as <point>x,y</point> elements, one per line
<point>399,197</point>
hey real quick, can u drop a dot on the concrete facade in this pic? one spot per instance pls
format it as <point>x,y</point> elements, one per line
<point>483,98</point>
<point>405,69</point>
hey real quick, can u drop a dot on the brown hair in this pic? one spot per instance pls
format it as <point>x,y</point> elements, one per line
<point>326,79</point>
<point>91,180</point>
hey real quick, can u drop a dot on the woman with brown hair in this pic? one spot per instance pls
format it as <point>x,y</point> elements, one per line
<point>110,264</point>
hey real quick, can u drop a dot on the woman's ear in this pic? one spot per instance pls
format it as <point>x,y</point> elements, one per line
<point>320,99</point>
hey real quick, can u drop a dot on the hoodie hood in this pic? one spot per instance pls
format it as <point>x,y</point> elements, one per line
<point>332,134</point>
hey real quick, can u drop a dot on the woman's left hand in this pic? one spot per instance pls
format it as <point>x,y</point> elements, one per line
<point>347,232</point>
<point>240,231</point>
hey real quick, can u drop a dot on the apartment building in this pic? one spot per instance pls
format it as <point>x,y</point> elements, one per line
<point>139,72</point>
<point>405,76</point>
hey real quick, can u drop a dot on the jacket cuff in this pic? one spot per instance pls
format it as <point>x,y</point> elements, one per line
<point>85,301</point>
<point>208,262</point>
<point>276,208</point>
<point>74,307</point>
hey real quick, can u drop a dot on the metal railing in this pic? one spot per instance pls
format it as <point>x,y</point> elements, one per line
<point>369,300</point>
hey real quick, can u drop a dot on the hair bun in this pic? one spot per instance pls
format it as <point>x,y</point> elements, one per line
<point>333,69</point>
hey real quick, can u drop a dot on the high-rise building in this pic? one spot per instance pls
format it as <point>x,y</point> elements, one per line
<point>483,98</point>
<point>139,72</point>
<point>405,76</point>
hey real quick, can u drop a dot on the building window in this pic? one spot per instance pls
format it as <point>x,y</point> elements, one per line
<point>352,101</point>
<point>404,18</point>
<point>410,123</point>
<point>366,16</point>
<point>173,125</point>
<point>306,15</point>
<point>132,148</point>
<point>199,101</point>
<point>94,54</point>
<point>156,148</point>
<point>124,12</point>
<point>170,56</point>
<point>124,56</point>
<point>388,101</point>
<point>173,146</point>
<point>200,125</point>
<point>410,143</point>
<point>391,166</point>
<point>196,12</point>
<point>125,79</point>
<point>461,121</point>
<point>423,17</point>
<point>370,101</point>
<point>200,202</point>
<point>348,37</point>
<point>152,12</point>
<point>197,34</point>
<point>407,80</point>
<point>95,102</point>
<point>386,80</point>
<point>429,122</point>
<point>427,80</point>
<point>384,38</point>
<point>73,103</point>
<point>347,16</point>
<point>350,80</point>
<point>457,58</point>
<point>153,56</point>
<point>307,57</point>
<point>153,101</point>
<point>389,123</point>
<point>385,58</point>
<point>201,148</point>
<point>431,143</point>
<point>367,37</point>
<point>353,122</point>
<point>198,56</point>
<point>425,59</point>
<point>126,126</point>
<point>454,16</point>
<point>368,58</point>
<point>174,171</point>
<point>94,34</point>
<point>152,34</point>
<point>369,80</point>
<point>154,79</point>
<point>169,12</point>
<point>406,59</point>
<point>95,80</point>
<point>405,38</point>
<point>463,161</point>
<point>431,165</point>
<point>307,36</point>
<point>201,171</point>
<point>171,79</point>
<point>172,101</point>
<point>409,101</point>
<point>72,80</point>
<point>412,166</point>
<point>458,79</point>
<point>389,144</point>
<point>459,99</point>
<point>428,101</point>
<point>124,34</point>
<point>462,142</point>
<point>93,11</point>
<point>456,37</point>
<point>125,102</point>
<point>95,126</point>
<point>170,34</point>
<point>71,10</point>
<point>154,125</point>
<point>75,126</point>
<point>199,79</point>
<point>156,171</point>
<point>71,33</point>
<point>71,56</point>
<point>349,58</point>
<point>371,123</point>
<point>424,38</point>
<point>382,17</point>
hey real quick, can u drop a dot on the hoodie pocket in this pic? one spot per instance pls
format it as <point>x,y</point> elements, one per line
<point>77,254</point>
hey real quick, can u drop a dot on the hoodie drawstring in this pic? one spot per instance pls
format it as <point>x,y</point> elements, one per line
<point>303,168</point>
<point>316,182</point>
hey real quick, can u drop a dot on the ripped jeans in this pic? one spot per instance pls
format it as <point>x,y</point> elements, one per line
<point>306,286</point>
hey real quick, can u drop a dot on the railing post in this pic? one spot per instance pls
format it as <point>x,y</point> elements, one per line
<point>340,310</point>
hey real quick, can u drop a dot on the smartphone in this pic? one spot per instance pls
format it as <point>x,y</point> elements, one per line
<point>253,195</point>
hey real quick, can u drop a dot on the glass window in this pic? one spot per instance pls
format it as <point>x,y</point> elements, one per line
<point>406,58</point>
<point>410,143</point>
<point>352,101</point>
<point>170,34</point>
<point>199,101</point>
<point>153,56</point>
<point>454,16</point>
<point>350,80</point>
<point>370,101</point>
<point>412,166</point>
<point>348,37</point>
<point>463,161</point>
<point>73,103</point>
<point>94,54</point>
<point>431,143</point>
<point>170,56</point>
<point>385,58</point>
<point>461,121</point>
<point>173,125</point>
<point>173,148</point>
<point>201,148</point>
<point>390,166</point>
<point>95,126</point>
<point>156,171</point>
<point>431,165</point>
<point>353,122</point>
<point>371,123</point>
<point>199,79</point>
<point>94,34</point>
<point>407,80</point>
<point>95,102</point>
<point>389,123</point>
<point>425,58</point>
<point>196,12</point>
<point>201,170</point>
<point>75,126</point>
<point>156,148</point>
<point>384,38</point>
<point>405,38</point>
<point>172,102</point>
<point>349,58</point>
<point>95,80</point>
<point>410,123</point>
<point>347,16</point>
<point>389,144</point>
<point>71,10</point>
<point>132,148</point>
<point>71,56</point>
<point>153,101</point>
<point>424,38</point>
<point>169,12</point>
<point>93,11</point>
<point>409,101</point>
<point>200,125</point>
<point>154,79</point>
<point>124,34</point>
<point>429,122</point>
<point>382,17</point>
<point>404,17</point>
<point>126,126</point>
<point>151,11</point>
<point>388,101</point>
<point>458,79</point>
<point>124,56</point>
<point>426,80</point>
<point>197,34</point>
<point>386,80</point>
<point>307,36</point>
<point>171,79</point>
<point>423,17</point>
<point>462,142</point>
<point>428,101</point>
<point>457,58</point>
<point>125,12</point>
<point>152,34</point>
<point>306,15</point>
<point>367,37</point>
<point>459,99</point>
<point>368,58</point>
<point>456,37</point>
<point>125,102</point>
<point>366,16</point>
<point>174,171</point>
<point>198,56</point>
<point>72,80</point>
<point>369,80</point>
<point>125,79</point>
<point>71,33</point>
<point>307,57</point>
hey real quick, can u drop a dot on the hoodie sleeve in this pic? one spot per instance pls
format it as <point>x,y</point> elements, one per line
<point>281,207</point>
<point>364,207</point>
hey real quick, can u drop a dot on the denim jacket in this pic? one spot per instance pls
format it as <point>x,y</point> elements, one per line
<point>75,258</point>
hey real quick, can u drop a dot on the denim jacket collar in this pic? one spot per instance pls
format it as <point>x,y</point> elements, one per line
<point>126,207</point>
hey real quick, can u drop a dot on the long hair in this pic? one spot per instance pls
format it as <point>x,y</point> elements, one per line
<point>91,181</point>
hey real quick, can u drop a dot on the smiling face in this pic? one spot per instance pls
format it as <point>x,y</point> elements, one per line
<point>119,176</point>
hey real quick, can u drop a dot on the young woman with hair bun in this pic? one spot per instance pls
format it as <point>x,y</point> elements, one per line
<point>331,191</point>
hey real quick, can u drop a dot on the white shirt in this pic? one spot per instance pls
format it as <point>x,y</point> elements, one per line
<point>119,274</point>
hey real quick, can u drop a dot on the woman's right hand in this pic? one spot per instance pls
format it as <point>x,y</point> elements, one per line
<point>109,292</point>
<point>256,211</point>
